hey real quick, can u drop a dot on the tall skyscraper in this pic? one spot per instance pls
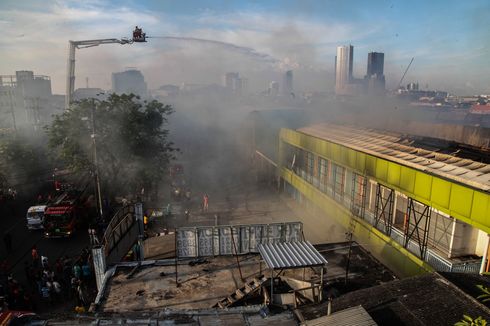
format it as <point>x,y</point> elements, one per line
<point>25,98</point>
<point>229,80</point>
<point>233,82</point>
<point>374,79</point>
<point>375,63</point>
<point>287,83</point>
<point>343,68</point>
<point>273,88</point>
<point>129,81</point>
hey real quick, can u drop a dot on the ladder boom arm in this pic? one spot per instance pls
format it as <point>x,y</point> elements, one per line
<point>73,45</point>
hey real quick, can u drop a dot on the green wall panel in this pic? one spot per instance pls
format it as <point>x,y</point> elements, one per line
<point>480,210</point>
<point>423,185</point>
<point>461,200</point>
<point>381,169</point>
<point>370,165</point>
<point>336,152</point>
<point>394,174</point>
<point>351,157</point>
<point>441,192</point>
<point>407,179</point>
<point>360,162</point>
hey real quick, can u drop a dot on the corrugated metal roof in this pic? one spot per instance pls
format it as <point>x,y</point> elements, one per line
<point>397,149</point>
<point>352,316</point>
<point>290,254</point>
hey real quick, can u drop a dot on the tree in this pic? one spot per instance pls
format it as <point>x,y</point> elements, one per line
<point>485,296</point>
<point>469,321</point>
<point>133,150</point>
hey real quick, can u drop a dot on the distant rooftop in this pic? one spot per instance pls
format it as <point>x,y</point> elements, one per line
<point>401,149</point>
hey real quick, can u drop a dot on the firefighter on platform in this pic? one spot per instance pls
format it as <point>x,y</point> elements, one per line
<point>137,33</point>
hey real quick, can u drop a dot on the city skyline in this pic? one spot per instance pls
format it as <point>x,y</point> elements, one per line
<point>451,46</point>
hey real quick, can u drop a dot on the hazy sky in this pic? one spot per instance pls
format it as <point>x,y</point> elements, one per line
<point>450,40</point>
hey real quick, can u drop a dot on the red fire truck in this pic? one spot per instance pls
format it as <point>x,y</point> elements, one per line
<point>67,212</point>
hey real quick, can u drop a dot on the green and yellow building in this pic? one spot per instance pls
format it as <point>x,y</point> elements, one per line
<point>415,205</point>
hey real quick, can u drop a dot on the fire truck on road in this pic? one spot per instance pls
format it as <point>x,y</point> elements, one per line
<point>65,215</point>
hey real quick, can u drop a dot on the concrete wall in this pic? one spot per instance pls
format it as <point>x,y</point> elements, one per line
<point>465,239</point>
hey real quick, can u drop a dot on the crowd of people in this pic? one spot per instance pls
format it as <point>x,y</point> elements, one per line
<point>67,280</point>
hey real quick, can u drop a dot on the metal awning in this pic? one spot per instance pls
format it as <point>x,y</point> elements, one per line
<point>290,255</point>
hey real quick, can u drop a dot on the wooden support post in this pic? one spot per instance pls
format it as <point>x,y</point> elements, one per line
<point>321,285</point>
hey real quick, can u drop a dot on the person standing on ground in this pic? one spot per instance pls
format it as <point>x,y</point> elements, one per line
<point>205,202</point>
<point>7,240</point>
<point>44,262</point>
<point>35,257</point>
<point>77,271</point>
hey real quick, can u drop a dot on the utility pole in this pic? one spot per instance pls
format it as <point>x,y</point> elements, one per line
<point>96,166</point>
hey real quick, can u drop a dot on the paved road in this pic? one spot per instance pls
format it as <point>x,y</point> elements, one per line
<point>13,221</point>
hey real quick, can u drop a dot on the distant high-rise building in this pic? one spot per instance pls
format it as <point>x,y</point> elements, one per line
<point>29,93</point>
<point>234,83</point>
<point>244,85</point>
<point>374,79</point>
<point>129,81</point>
<point>413,86</point>
<point>287,83</point>
<point>375,63</point>
<point>229,79</point>
<point>273,88</point>
<point>343,69</point>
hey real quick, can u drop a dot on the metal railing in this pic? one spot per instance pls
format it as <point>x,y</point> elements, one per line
<point>398,236</point>
<point>118,226</point>
<point>440,264</point>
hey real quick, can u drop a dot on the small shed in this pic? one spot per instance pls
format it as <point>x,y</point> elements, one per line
<point>291,255</point>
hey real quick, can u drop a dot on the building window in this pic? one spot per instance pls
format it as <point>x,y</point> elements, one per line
<point>309,166</point>
<point>440,232</point>
<point>338,181</point>
<point>401,214</point>
<point>359,185</point>
<point>323,172</point>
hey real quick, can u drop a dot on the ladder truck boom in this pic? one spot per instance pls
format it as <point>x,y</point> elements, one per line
<point>138,36</point>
